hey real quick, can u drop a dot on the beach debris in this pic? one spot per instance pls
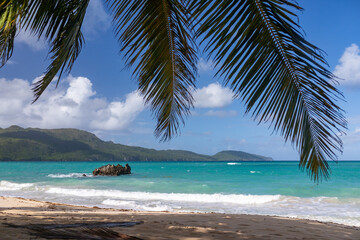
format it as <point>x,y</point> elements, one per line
<point>112,170</point>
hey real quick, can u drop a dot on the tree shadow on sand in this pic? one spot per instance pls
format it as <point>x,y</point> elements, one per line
<point>91,231</point>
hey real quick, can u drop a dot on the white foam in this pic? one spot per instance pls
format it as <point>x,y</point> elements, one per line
<point>10,186</point>
<point>69,175</point>
<point>178,197</point>
<point>156,206</point>
<point>255,172</point>
<point>329,209</point>
<point>233,163</point>
<point>350,221</point>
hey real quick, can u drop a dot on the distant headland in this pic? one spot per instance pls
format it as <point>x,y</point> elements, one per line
<point>34,144</point>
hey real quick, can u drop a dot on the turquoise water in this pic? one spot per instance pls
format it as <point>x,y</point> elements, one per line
<point>268,188</point>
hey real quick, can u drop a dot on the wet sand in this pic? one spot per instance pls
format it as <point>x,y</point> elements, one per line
<point>29,219</point>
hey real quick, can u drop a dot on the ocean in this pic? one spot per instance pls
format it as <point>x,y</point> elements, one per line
<point>267,188</point>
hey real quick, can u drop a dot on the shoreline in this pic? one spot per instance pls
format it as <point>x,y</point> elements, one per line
<point>22,218</point>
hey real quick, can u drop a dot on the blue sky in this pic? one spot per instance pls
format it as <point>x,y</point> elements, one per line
<point>100,94</point>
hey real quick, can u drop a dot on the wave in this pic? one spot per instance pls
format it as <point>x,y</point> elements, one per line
<point>328,209</point>
<point>10,186</point>
<point>177,197</point>
<point>233,163</point>
<point>255,172</point>
<point>156,206</point>
<point>69,175</point>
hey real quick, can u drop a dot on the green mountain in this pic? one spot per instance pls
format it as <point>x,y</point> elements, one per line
<point>239,156</point>
<point>29,144</point>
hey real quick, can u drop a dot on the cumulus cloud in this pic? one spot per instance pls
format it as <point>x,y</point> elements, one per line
<point>30,40</point>
<point>204,65</point>
<point>212,96</point>
<point>96,18</point>
<point>118,115</point>
<point>349,66</point>
<point>221,114</point>
<point>74,105</point>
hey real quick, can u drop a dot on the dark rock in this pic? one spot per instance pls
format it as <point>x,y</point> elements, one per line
<point>127,168</point>
<point>84,175</point>
<point>112,170</point>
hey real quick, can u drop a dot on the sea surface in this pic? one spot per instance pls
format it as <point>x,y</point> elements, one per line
<point>266,188</point>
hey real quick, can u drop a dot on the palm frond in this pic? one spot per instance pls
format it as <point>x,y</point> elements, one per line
<point>156,37</point>
<point>10,11</point>
<point>256,45</point>
<point>59,22</point>
<point>259,50</point>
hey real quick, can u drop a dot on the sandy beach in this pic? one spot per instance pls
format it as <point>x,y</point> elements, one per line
<point>29,219</point>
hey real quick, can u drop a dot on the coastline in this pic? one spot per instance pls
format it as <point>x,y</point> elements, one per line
<point>22,218</point>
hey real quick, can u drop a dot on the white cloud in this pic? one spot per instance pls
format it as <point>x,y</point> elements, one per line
<point>30,40</point>
<point>221,114</point>
<point>349,66</point>
<point>72,105</point>
<point>204,65</point>
<point>96,18</point>
<point>118,115</point>
<point>212,96</point>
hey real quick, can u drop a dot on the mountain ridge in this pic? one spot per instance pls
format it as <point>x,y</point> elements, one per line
<point>70,144</point>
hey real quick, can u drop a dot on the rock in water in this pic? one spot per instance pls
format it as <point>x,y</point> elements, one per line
<point>112,170</point>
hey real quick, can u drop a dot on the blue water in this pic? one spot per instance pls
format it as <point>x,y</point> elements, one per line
<point>267,188</point>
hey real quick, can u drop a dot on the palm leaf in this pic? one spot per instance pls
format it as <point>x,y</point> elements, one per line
<point>59,22</point>
<point>10,11</point>
<point>256,45</point>
<point>259,50</point>
<point>156,37</point>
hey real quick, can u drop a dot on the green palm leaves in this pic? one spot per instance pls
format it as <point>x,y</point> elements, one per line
<point>58,21</point>
<point>10,11</point>
<point>277,73</point>
<point>256,46</point>
<point>157,38</point>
